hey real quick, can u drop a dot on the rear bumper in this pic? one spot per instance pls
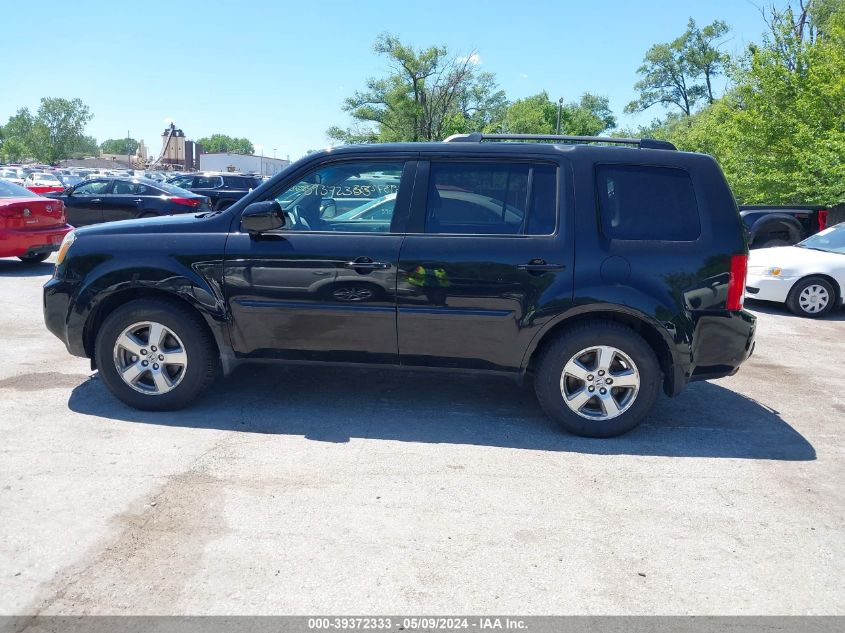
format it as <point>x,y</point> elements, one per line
<point>17,242</point>
<point>722,343</point>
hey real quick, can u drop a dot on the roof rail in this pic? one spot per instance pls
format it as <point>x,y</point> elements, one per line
<point>642,143</point>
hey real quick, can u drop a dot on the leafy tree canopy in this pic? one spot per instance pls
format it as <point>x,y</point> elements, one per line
<point>221,143</point>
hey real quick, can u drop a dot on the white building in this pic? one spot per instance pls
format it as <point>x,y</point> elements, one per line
<point>244,163</point>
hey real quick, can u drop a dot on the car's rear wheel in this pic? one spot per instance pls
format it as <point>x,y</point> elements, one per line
<point>598,379</point>
<point>812,297</point>
<point>33,259</point>
<point>155,355</point>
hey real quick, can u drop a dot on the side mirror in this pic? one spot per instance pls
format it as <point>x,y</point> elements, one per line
<point>260,217</point>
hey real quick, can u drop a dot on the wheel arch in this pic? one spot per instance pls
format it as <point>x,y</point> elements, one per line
<point>776,223</point>
<point>639,323</point>
<point>113,300</point>
<point>837,288</point>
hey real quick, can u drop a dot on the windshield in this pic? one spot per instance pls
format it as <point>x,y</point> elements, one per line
<point>831,240</point>
<point>11,190</point>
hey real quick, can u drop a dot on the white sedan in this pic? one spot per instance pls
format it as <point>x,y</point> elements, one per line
<point>808,277</point>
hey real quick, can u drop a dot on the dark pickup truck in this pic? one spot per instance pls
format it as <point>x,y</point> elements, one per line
<point>769,225</point>
<point>223,190</point>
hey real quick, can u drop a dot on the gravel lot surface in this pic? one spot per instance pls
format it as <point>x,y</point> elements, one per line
<point>314,491</point>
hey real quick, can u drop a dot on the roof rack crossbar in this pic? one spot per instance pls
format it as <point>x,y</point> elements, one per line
<point>643,143</point>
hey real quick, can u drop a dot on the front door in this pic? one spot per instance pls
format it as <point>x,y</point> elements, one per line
<point>323,287</point>
<point>486,262</point>
<point>84,205</point>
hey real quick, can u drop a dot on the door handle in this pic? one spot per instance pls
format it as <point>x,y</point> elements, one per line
<point>138,200</point>
<point>96,200</point>
<point>539,265</point>
<point>365,263</point>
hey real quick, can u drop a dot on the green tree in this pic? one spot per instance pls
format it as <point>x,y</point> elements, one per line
<point>779,133</point>
<point>86,146</point>
<point>119,146</point>
<point>18,136</point>
<point>426,95</point>
<point>701,51</point>
<point>537,114</point>
<point>59,127</point>
<point>670,72</point>
<point>668,79</point>
<point>221,143</point>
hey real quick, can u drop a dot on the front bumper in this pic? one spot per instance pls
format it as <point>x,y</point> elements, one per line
<point>57,298</point>
<point>767,288</point>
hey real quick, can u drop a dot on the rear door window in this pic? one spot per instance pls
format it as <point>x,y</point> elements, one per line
<point>491,198</point>
<point>641,202</point>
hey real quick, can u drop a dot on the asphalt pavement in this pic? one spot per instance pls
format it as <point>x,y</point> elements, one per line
<point>314,491</point>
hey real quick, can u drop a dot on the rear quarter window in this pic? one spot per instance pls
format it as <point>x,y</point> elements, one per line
<point>641,202</point>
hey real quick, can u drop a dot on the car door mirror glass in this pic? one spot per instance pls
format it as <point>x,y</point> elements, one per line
<point>260,217</point>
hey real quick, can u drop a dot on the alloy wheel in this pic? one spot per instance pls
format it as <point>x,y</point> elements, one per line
<point>150,358</point>
<point>600,383</point>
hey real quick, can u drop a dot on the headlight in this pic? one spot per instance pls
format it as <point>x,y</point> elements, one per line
<point>70,238</point>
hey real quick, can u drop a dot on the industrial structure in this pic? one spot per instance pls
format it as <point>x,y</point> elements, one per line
<point>177,152</point>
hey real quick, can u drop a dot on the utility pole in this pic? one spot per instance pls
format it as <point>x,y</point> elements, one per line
<point>559,108</point>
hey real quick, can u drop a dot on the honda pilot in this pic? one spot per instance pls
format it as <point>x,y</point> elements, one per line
<point>606,270</point>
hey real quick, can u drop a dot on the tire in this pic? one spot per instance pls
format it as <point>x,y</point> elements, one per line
<point>34,259</point>
<point>812,297</point>
<point>633,361</point>
<point>187,332</point>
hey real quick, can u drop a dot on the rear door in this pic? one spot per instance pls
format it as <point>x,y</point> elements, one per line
<point>126,200</point>
<point>485,261</point>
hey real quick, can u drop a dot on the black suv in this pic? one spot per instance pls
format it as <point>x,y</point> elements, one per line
<point>604,272</point>
<point>223,190</point>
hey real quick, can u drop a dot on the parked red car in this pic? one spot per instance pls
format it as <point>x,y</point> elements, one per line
<point>31,226</point>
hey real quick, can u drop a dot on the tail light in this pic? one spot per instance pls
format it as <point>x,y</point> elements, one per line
<point>188,202</point>
<point>823,219</point>
<point>736,282</point>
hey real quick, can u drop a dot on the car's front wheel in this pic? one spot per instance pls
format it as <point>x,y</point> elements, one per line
<point>34,259</point>
<point>597,379</point>
<point>155,355</point>
<point>812,297</point>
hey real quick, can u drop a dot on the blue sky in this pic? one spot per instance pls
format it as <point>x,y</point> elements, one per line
<point>277,72</point>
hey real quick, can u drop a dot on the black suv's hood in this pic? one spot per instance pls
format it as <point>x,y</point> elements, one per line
<point>182,223</point>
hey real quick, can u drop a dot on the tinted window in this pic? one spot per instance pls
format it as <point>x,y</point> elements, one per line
<point>183,181</point>
<point>480,198</point>
<point>122,187</point>
<point>91,188</point>
<point>207,182</point>
<point>491,198</point>
<point>542,214</point>
<point>647,203</point>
